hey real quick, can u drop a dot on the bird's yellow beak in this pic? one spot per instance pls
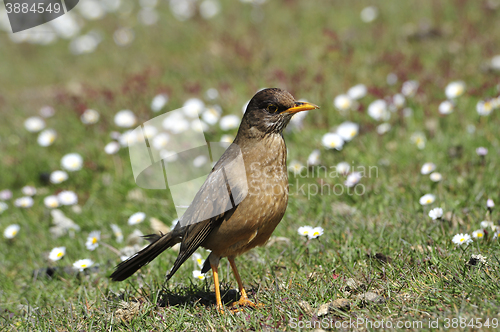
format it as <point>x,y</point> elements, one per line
<point>300,106</point>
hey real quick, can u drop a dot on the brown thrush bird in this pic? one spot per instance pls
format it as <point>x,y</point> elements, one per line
<point>261,190</point>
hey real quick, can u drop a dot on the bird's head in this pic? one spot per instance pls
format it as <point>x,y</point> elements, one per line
<point>270,111</point>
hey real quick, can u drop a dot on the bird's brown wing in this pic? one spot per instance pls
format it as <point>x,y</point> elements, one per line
<point>217,199</point>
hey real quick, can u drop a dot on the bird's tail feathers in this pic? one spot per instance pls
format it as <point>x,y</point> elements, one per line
<point>158,244</point>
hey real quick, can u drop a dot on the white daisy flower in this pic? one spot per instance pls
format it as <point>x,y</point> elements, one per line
<point>297,120</point>
<point>117,232</point>
<point>211,115</point>
<point>34,124</point>
<point>478,234</point>
<point>313,158</point>
<point>212,94</point>
<point>398,100</point>
<point>112,148</point>
<point>47,137</point>
<point>160,141</point>
<point>93,240</point>
<point>198,275</point>
<point>484,108</point>
<point>378,110</point>
<point>460,239</point>
<point>436,213</point>
<point>136,218</point>
<point>383,128</point>
<point>3,207</point>
<point>435,177</point>
<point>193,107</point>
<point>409,88</point>
<point>199,126</point>
<point>482,151</point>
<point>82,264</point>
<point>343,102</point>
<point>51,201</point>
<point>352,179</point>
<point>315,233</point>
<point>490,204</point>
<point>332,141</point>
<point>348,130</point>
<point>419,139</point>
<point>125,119</point>
<point>295,166</point>
<point>90,117</point>
<point>369,14</point>
<point>454,89</point>
<point>24,202</point>
<point>57,253</point>
<point>427,199</point>
<point>209,8</point>
<point>343,168</point>
<point>175,122</point>
<point>427,168</point>
<point>11,231</point>
<point>305,230</point>
<point>28,190</point>
<point>72,162</point>
<point>485,224</point>
<point>227,139</point>
<point>200,161</point>
<point>446,107</point>
<point>149,132</point>
<point>229,122</point>
<point>159,101</point>
<point>58,177</point>
<point>128,138</point>
<point>5,195</point>
<point>47,111</point>
<point>198,259</point>
<point>67,197</point>
<point>391,79</point>
<point>357,92</point>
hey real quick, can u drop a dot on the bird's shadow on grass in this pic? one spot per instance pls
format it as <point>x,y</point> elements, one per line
<point>195,294</point>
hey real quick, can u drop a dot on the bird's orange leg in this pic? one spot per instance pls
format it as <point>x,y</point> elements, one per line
<point>217,288</point>
<point>243,301</point>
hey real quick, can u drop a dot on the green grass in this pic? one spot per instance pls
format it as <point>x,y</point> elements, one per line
<point>316,50</point>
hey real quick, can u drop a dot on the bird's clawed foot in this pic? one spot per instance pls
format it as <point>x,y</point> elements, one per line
<point>244,302</point>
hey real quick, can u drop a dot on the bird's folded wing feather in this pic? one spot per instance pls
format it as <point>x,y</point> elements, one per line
<point>219,196</point>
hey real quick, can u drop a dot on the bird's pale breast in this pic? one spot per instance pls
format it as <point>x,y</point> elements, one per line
<point>256,217</point>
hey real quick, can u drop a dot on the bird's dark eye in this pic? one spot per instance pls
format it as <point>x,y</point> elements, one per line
<point>272,108</point>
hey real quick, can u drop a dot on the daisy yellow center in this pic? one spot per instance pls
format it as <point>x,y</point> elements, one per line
<point>94,240</point>
<point>201,277</point>
<point>198,260</point>
<point>14,233</point>
<point>479,234</point>
<point>83,266</point>
<point>418,140</point>
<point>59,254</point>
<point>315,233</point>
<point>353,132</point>
<point>53,203</point>
<point>462,239</point>
<point>305,232</point>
